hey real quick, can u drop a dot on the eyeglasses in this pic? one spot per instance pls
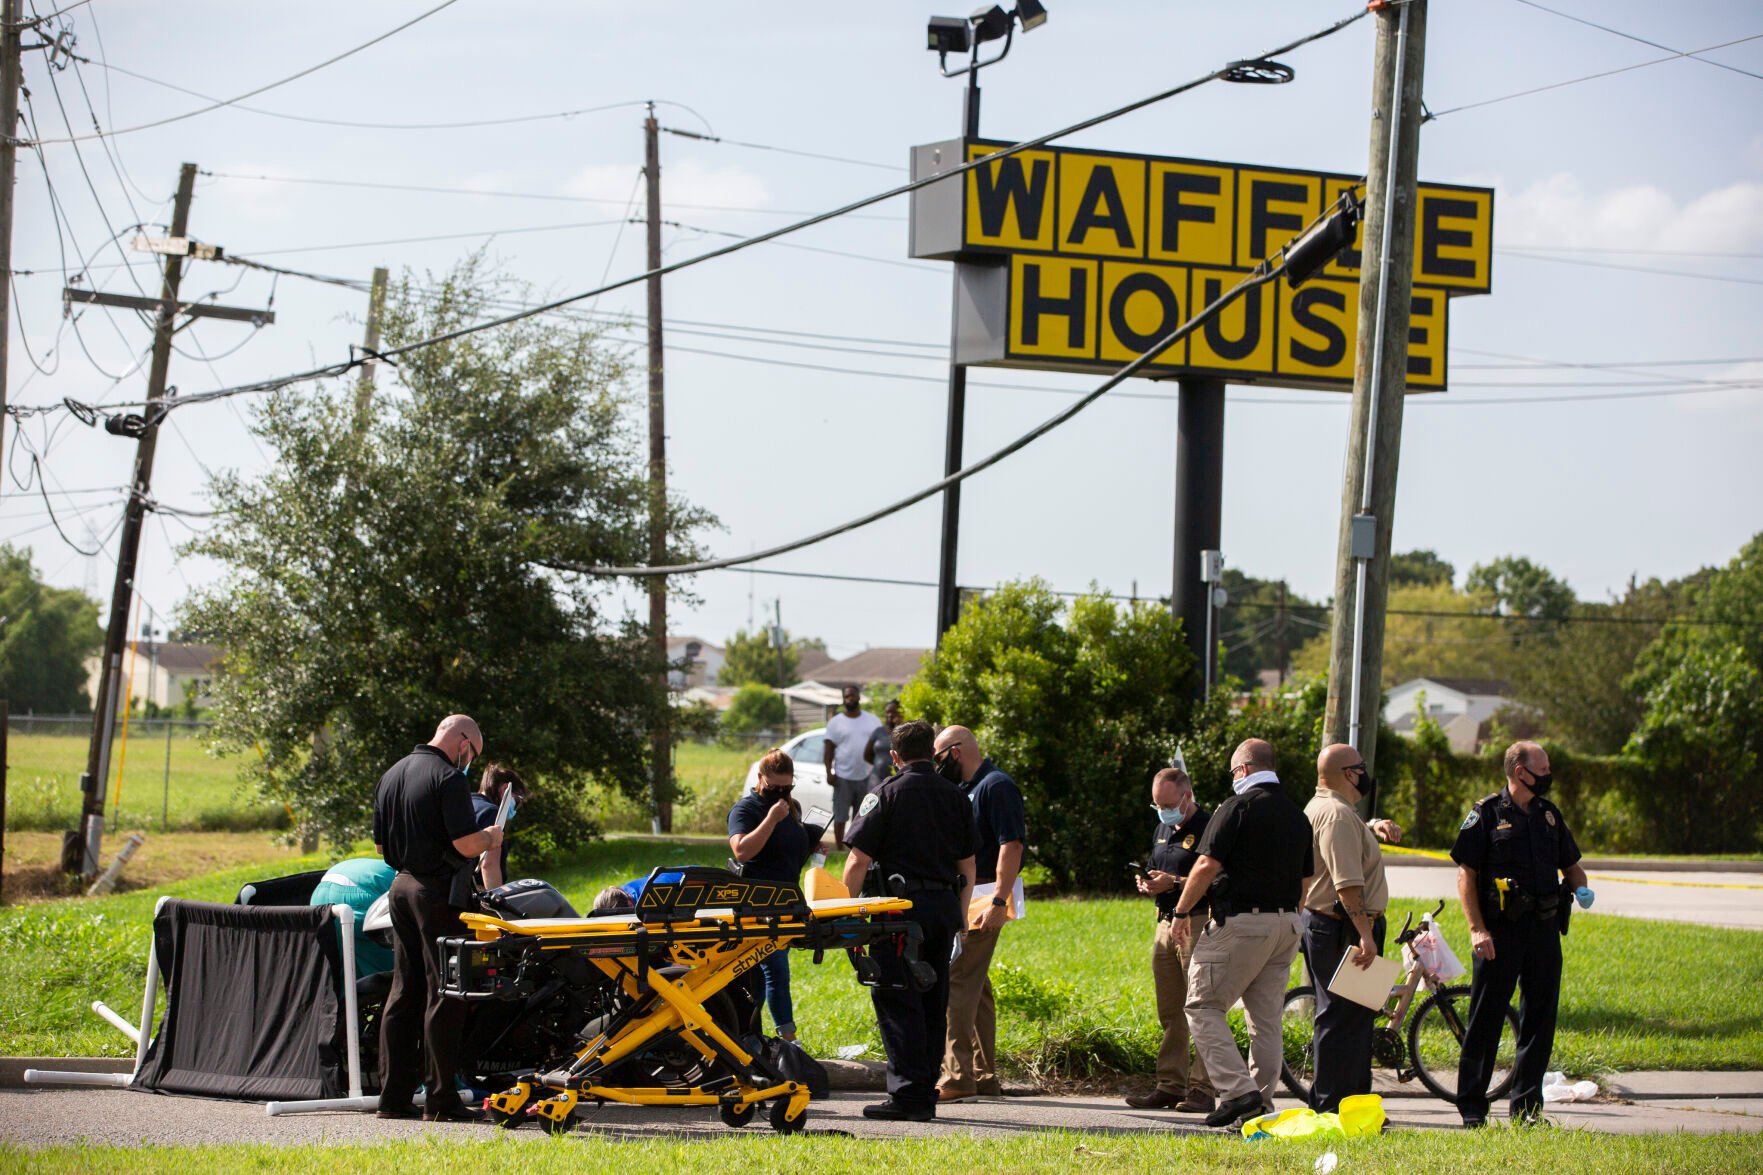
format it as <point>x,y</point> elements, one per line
<point>1359,767</point>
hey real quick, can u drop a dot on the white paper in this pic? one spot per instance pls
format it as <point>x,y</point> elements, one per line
<point>1369,986</point>
<point>505,810</point>
<point>982,898</point>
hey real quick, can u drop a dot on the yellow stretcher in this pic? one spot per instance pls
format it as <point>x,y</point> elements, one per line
<point>694,932</point>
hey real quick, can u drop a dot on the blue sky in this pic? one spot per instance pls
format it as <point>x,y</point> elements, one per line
<point>1658,168</point>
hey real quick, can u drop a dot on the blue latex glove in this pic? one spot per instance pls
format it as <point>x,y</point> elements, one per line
<point>1584,896</point>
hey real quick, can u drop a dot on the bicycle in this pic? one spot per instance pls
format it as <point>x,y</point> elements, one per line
<point>1434,1037</point>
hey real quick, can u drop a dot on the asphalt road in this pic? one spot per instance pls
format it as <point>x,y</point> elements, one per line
<point>41,1117</point>
<point>1712,899</point>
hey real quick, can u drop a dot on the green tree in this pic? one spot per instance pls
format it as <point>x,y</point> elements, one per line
<point>755,708</point>
<point>1432,630</point>
<point>1257,630</point>
<point>46,634</point>
<point>1517,587</point>
<point>1080,705</point>
<point>375,581</point>
<point>1420,569</point>
<point>750,657</point>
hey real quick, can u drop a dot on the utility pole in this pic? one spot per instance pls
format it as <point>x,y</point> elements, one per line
<point>1279,634</point>
<point>660,738</point>
<point>370,345</point>
<point>128,552</point>
<point>1368,492</point>
<point>11,79</point>
<point>1199,512</point>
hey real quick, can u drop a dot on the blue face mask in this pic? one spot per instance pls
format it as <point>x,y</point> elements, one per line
<point>1169,815</point>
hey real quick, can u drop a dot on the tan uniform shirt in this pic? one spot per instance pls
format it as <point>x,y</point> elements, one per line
<point>1347,855</point>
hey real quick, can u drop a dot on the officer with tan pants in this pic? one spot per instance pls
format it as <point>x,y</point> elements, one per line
<point>1257,847</point>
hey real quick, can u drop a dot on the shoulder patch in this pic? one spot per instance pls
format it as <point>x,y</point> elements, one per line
<point>868,804</point>
<point>1471,820</point>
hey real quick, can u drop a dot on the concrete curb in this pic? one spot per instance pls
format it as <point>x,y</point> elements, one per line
<point>1605,864</point>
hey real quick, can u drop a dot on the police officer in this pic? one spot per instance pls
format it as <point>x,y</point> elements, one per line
<point>1175,847</point>
<point>1258,843</point>
<point>1511,853</point>
<point>917,828</point>
<point>423,827</point>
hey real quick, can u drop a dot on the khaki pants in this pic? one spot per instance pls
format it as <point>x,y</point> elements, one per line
<point>1248,958</point>
<point>970,1055</point>
<point>1169,973</point>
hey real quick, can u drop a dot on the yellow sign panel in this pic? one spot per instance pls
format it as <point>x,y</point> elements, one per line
<point>1104,253</point>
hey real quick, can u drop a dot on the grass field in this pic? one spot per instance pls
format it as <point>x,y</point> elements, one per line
<point>710,776</point>
<point>200,793</point>
<point>1543,1151</point>
<point>1073,980</point>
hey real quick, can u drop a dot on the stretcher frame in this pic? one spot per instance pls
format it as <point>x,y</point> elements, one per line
<point>669,957</point>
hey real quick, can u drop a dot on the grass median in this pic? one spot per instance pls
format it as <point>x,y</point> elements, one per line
<point>1548,1151</point>
<point>1073,980</point>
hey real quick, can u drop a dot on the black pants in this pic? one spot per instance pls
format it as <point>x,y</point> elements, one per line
<point>913,1023</point>
<point>1527,955</point>
<point>1343,1028</point>
<point>420,1032</point>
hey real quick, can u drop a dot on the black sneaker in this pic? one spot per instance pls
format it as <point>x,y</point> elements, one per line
<point>1475,1123</point>
<point>410,1112</point>
<point>1236,1109</point>
<point>893,1111</point>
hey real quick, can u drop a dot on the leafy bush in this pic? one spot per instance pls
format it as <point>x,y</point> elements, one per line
<point>755,708</point>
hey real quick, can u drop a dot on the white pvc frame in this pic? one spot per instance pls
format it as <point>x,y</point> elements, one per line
<point>142,1036</point>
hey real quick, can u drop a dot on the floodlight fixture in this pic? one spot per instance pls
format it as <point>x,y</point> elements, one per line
<point>1030,14</point>
<point>989,23</point>
<point>1305,257</point>
<point>955,34</point>
<point>948,34</point>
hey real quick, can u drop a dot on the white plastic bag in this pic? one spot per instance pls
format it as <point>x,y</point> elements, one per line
<point>1556,1088</point>
<point>1435,954</point>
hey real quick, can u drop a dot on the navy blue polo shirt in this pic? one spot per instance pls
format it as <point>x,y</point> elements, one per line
<point>997,814</point>
<point>785,851</point>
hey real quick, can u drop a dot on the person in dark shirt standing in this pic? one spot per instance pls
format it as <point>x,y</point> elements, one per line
<point>423,827</point>
<point>1512,853</point>
<point>766,834</point>
<point>970,1053</point>
<point>1175,847</point>
<point>917,828</point>
<point>486,801</point>
<point>1258,842</point>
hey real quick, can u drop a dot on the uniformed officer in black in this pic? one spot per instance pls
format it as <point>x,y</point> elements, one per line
<point>918,828</point>
<point>1511,853</point>
<point>424,828</point>
<point>1182,1085</point>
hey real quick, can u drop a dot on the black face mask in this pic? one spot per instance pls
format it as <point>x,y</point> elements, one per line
<point>772,795</point>
<point>1368,789</point>
<point>949,767</point>
<point>1540,784</point>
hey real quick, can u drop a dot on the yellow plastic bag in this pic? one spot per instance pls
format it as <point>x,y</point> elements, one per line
<point>1360,1116</point>
<point>822,884</point>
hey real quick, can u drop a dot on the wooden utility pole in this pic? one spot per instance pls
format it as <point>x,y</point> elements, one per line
<point>370,345</point>
<point>1368,494</point>
<point>128,552</point>
<point>11,79</point>
<point>660,737</point>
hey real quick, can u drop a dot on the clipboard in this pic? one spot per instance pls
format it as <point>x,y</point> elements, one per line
<point>1369,986</point>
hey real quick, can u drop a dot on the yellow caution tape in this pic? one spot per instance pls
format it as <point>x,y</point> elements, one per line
<point>1438,856</point>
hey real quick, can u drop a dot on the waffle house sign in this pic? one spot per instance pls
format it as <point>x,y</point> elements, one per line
<point>1082,260</point>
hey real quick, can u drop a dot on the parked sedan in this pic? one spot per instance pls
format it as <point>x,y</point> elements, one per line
<point>807,750</point>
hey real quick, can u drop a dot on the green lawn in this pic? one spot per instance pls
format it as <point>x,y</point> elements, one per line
<point>1545,1151</point>
<point>710,776</point>
<point>1073,980</point>
<point>200,792</point>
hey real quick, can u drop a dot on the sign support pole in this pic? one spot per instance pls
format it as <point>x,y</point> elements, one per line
<point>1368,494</point>
<point>948,591</point>
<point>1199,501</point>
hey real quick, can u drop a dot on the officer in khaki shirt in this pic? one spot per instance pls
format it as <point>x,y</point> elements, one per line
<point>1344,903</point>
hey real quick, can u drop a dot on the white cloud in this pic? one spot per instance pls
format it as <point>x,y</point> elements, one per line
<point>685,182</point>
<point>1559,211</point>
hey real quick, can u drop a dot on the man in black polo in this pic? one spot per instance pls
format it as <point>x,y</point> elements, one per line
<point>424,828</point>
<point>1257,847</point>
<point>917,828</point>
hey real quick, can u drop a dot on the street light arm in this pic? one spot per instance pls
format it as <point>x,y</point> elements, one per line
<point>974,65</point>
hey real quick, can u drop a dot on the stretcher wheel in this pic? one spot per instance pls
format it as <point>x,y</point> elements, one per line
<point>735,1114</point>
<point>784,1125</point>
<point>507,1120</point>
<point>555,1125</point>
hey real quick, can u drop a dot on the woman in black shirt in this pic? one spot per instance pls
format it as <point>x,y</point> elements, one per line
<point>766,835</point>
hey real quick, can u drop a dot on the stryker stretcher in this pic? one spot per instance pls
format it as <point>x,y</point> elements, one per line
<point>694,932</point>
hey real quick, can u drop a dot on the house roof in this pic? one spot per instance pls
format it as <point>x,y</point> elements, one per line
<point>889,666</point>
<point>183,657</point>
<point>1485,686</point>
<point>809,662</point>
<point>680,640</point>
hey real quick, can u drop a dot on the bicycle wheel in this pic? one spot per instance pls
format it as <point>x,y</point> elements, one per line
<point>1297,1027</point>
<point>1435,1042</point>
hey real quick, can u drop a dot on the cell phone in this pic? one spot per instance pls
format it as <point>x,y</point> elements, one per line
<point>1135,867</point>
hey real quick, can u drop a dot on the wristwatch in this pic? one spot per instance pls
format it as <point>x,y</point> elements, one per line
<point>998,902</point>
<point>1181,914</point>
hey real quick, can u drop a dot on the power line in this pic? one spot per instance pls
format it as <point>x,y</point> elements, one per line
<point>1709,277</point>
<point>489,232</point>
<point>1588,77</point>
<point>781,150</point>
<point>1631,37</point>
<point>218,104</point>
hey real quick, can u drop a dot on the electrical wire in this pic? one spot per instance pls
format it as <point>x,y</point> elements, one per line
<point>217,104</point>
<point>1631,37</point>
<point>1524,255</point>
<point>781,150</point>
<point>1590,77</point>
<point>491,232</point>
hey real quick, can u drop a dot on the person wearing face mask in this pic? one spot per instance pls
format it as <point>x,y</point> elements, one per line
<point>1343,917</point>
<point>486,801</point>
<point>1182,1085</point>
<point>1512,852</point>
<point>423,828</point>
<point>766,834</point>
<point>970,1053</point>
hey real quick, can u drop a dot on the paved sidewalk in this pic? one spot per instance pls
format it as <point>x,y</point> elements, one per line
<point>1701,1103</point>
<point>1703,897</point>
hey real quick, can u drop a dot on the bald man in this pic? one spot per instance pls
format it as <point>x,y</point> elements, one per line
<point>971,1050</point>
<point>424,828</point>
<point>1259,843</point>
<point>1344,903</point>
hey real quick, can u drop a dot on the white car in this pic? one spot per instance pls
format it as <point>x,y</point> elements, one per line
<point>808,751</point>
